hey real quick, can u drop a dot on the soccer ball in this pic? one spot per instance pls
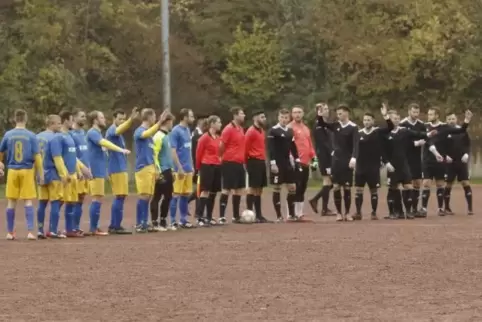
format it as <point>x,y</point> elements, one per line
<point>248,217</point>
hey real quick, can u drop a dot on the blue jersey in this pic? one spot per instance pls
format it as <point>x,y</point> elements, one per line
<point>21,146</point>
<point>97,154</point>
<point>180,139</point>
<point>144,149</point>
<point>80,140</point>
<point>117,161</point>
<point>52,150</point>
<point>69,152</point>
<point>43,141</point>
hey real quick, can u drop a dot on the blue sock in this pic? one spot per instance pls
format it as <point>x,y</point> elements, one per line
<point>183,208</point>
<point>78,215</point>
<point>139,214</point>
<point>10,220</point>
<point>113,213</point>
<point>29,216</point>
<point>120,213</point>
<point>42,206</point>
<point>54,216</point>
<point>173,208</point>
<point>145,211</point>
<point>69,217</point>
<point>94,213</point>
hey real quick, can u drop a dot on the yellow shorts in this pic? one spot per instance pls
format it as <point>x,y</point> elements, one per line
<point>21,184</point>
<point>71,193</point>
<point>119,183</point>
<point>82,187</point>
<point>97,187</point>
<point>145,180</point>
<point>183,186</point>
<point>51,191</point>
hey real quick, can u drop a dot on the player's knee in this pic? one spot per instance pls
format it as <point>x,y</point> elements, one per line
<point>408,186</point>
<point>226,192</point>
<point>359,189</point>
<point>291,188</point>
<point>327,181</point>
<point>465,183</point>
<point>28,203</point>
<point>204,194</point>
<point>373,191</point>
<point>11,203</point>
<point>336,187</point>
<point>277,188</point>
<point>450,184</point>
<point>440,184</point>
<point>239,192</point>
<point>426,183</point>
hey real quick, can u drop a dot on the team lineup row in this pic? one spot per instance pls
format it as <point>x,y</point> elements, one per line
<point>70,163</point>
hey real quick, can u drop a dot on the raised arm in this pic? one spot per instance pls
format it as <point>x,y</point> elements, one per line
<point>121,129</point>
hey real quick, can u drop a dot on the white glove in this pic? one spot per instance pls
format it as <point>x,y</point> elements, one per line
<point>448,159</point>
<point>328,171</point>
<point>465,158</point>
<point>390,167</point>
<point>352,163</point>
<point>419,143</point>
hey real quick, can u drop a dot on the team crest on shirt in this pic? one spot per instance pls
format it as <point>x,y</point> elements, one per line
<point>361,139</point>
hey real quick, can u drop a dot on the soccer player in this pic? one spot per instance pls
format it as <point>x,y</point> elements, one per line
<point>281,149</point>
<point>208,165</point>
<point>414,153</point>
<point>457,158</point>
<point>98,166</point>
<point>146,171</point>
<point>369,158</point>
<point>117,169</point>
<point>164,183</point>
<point>324,149</point>
<point>345,139</point>
<point>232,167</point>
<point>434,160</point>
<point>306,154</point>
<point>44,137</point>
<point>80,139</point>
<point>22,149</point>
<point>255,148</point>
<point>195,135</point>
<point>180,140</point>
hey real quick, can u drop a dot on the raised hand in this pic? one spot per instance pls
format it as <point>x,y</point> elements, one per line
<point>135,112</point>
<point>468,116</point>
<point>384,109</point>
<point>126,152</point>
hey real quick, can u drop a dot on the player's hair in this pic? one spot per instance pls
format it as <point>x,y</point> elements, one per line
<point>201,119</point>
<point>49,120</point>
<point>118,112</point>
<point>93,116</point>
<point>235,110</point>
<point>344,107</point>
<point>146,113</point>
<point>65,116</point>
<point>169,117</point>
<point>183,113</point>
<point>369,114</point>
<point>20,116</point>
<point>435,109</point>
<point>211,120</point>
<point>298,106</point>
<point>413,106</point>
<point>77,111</point>
<point>284,111</point>
<point>450,112</point>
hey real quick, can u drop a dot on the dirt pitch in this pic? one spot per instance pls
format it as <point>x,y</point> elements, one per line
<point>421,270</point>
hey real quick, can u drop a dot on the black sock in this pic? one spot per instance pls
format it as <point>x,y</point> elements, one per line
<point>391,200</point>
<point>210,205</point>
<point>398,201</point>
<point>236,203</point>
<point>257,206</point>
<point>415,199</point>
<point>425,197</point>
<point>440,197</point>
<point>192,197</point>
<point>291,203</point>
<point>197,210</point>
<point>337,199</point>
<point>447,195</point>
<point>277,203</point>
<point>203,202</point>
<point>325,197</point>
<point>223,203</point>
<point>468,197</point>
<point>347,200</point>
<point>318,195</point>
<point>358,201</point>
<point>374,201</point>
<point>407,200</point>
<point>250,201</point>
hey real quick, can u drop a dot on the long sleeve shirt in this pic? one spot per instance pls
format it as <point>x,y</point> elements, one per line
<point>304,144</point>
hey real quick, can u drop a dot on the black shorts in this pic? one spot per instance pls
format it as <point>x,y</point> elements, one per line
<point>210,177</point>
<point>257,176</point>
<point>458,170</point>
<point>434,171</point>
<point>341,174</point>
<point>286,175</point>
<point>415,166</point>
<point>370,177</point>
<point>234,176</point>
<point>401,175</point>
<point>164,185</point>
<point>324,163</point>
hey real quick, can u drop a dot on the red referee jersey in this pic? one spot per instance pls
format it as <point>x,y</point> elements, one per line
<point>233,140</point>
<point>207,151</point>
<point>255,146</point>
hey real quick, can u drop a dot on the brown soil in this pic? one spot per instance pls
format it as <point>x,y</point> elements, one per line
<point>421,270</point>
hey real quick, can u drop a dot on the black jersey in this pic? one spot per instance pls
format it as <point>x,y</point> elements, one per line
<point>196,134</point>
<point>370,148</point>
<point>323,140</point>
<point>458,145</point>
<point>345,139</point>
<point>440,140</point>
<point>414,152</point>
<point>397,142</point>
<point>281,145</point>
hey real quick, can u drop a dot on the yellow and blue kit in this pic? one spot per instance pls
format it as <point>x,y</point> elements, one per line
<point>80,140</point>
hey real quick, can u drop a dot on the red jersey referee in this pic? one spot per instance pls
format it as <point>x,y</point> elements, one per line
<point>232,168</point>
<point>255,149</point>
<point>208,166</point>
